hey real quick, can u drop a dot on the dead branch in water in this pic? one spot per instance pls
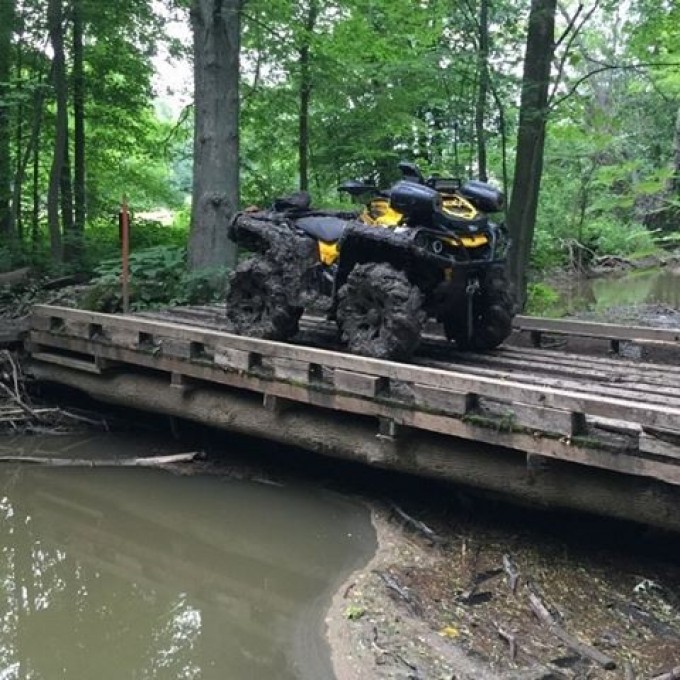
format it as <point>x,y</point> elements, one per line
<point>586,651</point>
<point>145,461</point>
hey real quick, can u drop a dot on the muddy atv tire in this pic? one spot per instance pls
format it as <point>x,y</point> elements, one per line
<point>380,312</point>
<point>257,303</point>
<point>493,311</point>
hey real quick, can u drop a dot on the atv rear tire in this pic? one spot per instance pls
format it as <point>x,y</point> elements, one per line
<point>257,303</point>
<point>380,312</point>
<point>494,308</point>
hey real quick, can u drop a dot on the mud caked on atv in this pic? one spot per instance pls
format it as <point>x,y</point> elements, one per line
<point>424,249</point>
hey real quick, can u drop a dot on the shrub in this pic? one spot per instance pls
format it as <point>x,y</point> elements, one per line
<point>158,277</point>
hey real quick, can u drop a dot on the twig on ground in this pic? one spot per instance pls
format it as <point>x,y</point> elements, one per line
<point>673,674</point>
<point>417,525</point>
<point>586,651</point>
<point>394,586</point>
<point>628,671</point>
<point>508,637</point>
<point>512,572</point>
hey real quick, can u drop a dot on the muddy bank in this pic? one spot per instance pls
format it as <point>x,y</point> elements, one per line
<point>448,608</point>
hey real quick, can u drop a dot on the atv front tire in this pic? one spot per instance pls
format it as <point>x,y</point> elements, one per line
<point>257,303</point>
<point>380,312</point>
<point>493,310</point>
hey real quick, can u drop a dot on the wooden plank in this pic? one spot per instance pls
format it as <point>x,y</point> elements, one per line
<point>586,360</point>
<point>231,359</point>
<point>542,419</point>
<point>443,401</point>
<point>650,444</point>
<point>592,329</point>
<point>557,361</point>
<point>446,425</point>
<point>613,383</point>
<point>290,369</point>
<point>67,362</point>
<point>493,387</point>
<point>357,383</point>
<point>665,396</point>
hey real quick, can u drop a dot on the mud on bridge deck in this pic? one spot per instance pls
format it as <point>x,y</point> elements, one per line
<point>576,429</point>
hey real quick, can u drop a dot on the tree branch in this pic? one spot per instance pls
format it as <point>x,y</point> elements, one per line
<point>609,67</point>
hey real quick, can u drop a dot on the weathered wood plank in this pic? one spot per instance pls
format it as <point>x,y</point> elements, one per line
<point>541,419</point>
<point>664,395</point>
<point>357,383</point>
<point>654,415</point>
<point>231,359</point>
<point>443,401</point>
<point>659,447</point>
<point>290,369</point>
<point>67,362</point>
<point>591,329</point>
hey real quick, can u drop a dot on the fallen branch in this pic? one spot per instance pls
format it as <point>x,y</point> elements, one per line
<point>512,572</point>
<point>586,651</point>
<point>673,674</point>
<point>149,461</point>
<point>394,586</point>
<point>510,639</point>
<point>417,525</point>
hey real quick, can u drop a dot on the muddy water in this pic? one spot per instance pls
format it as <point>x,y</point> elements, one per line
<point>132,573</point>
<point>656,286</point>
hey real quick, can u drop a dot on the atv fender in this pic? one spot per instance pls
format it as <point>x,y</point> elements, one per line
<point>362,244</point>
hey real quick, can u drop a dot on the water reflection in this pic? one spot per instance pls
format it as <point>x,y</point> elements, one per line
<point>650,287</point>
<point>139,574</point>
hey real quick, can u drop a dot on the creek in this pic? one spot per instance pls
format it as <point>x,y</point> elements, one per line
<point>651,286</point>
<point>114,573</point>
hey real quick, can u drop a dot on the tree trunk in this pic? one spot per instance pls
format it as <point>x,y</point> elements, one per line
<point>78,126</point>
<point>305,94</point>
<point>31,148</point>
<point>55,28</point>
<point>482,88</point>
<point>540,49</point>
<point>7,16</point>
<point>216,28</point>
<point>674,181</point>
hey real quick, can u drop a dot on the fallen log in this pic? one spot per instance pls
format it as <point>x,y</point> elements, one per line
<point>586,651</point>
<point>673,674</point>
<point>14,277</point>
<point>144,461</point>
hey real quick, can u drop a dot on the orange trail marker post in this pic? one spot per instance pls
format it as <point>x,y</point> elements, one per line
<point>125,253</point>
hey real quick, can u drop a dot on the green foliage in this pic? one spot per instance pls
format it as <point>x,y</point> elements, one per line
<point>542,300</point>
<point>158,278</point>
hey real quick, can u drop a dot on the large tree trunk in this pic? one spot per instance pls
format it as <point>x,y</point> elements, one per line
<point>6,29</point>
<point>55,27</point>
<point>482,88</point>
<point>78,126</point>
<point>216,27</point>
<point>305,94</point>
<point>540,49</point>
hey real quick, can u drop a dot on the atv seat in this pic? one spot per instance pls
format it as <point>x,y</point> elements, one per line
<point>322,227</point>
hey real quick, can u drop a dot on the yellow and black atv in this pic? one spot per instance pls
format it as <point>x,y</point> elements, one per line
<point>425,248</point>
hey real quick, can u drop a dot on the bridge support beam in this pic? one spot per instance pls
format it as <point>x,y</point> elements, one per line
<point>499,471</point>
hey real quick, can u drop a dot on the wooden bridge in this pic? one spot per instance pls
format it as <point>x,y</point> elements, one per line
<point>573,427</point>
